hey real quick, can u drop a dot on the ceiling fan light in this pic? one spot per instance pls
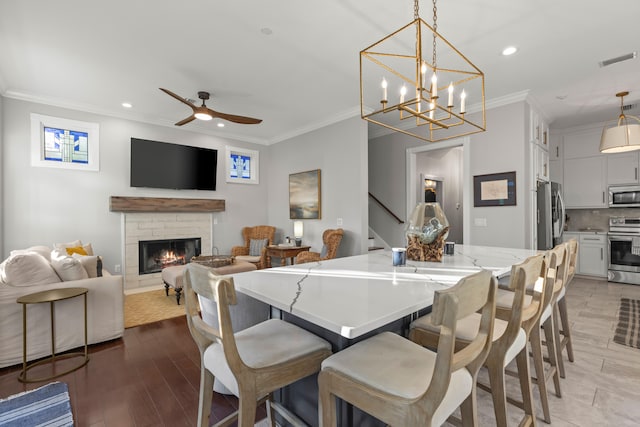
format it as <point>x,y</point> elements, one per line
<point>203,116</point>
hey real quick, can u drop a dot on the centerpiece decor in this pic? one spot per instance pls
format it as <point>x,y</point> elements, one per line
<point>426,233</point>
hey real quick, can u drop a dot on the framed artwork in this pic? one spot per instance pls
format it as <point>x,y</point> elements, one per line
<point>242,166</point>
<point>496,189</point>
<point>304,195</point>
<point>64,143</point>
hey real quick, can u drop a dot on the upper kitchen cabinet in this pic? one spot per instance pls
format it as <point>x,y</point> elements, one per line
<point>582,144</point>
<point>622,168</point>
<point>555,147</point>
<point>585,182</point>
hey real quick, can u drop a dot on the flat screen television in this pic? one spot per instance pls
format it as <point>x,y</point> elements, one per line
<point>157,164</point>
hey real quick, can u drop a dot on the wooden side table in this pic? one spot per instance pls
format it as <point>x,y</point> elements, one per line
<point>51,296</point>
<point>286,252</point>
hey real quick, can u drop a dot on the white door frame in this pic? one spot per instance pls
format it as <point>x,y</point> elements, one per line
<point>411,183</point>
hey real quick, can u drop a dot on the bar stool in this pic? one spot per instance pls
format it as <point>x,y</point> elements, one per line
<point>251,363</point>
<point>405,384</point>
<point>561,309</point>
<point>509,339</point>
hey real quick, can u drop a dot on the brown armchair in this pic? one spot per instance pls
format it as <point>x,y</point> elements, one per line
<point>331,239</point>
<point>256,240</point>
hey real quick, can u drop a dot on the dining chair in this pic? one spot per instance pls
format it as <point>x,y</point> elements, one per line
<point>251,363</point>
<point>561,309</point>
<point>402,383</point>
<point>509,339</point>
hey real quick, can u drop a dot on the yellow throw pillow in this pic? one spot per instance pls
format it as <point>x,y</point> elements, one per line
<point>76,250</point>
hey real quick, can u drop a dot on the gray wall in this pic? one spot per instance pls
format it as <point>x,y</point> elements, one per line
<point>2,203</point>
<point>502,148</point>
<point>46,205</point>
<point>340,152</point>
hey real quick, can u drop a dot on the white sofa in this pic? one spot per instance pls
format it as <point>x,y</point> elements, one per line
<point>25,272</point>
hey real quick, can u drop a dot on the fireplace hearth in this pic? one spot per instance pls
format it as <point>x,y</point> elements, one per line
<point>154,255</point>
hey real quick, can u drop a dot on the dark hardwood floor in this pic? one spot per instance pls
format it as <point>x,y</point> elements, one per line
<point>150,377</point>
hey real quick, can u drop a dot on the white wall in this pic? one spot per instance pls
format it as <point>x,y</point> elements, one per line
<point>45,205</point>
<point>340,152</point>
<point>502,148</point>
<point>2,204</point>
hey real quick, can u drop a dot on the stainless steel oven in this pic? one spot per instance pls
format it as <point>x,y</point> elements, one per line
<point>624,250</point>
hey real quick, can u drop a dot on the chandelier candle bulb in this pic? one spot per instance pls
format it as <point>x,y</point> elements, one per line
<point>432,108</point>
<point>403,92</point>
<point>423,71</point>
<point>450,103</point>
<point>434,86</point>
<point>384,90</point>
<point>463,98</point>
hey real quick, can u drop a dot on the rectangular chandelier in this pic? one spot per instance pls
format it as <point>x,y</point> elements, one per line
<point>415,82</point>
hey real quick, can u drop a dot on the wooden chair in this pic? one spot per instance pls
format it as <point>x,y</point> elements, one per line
<point>557,261</point>
<point>564,332</point>
<point>331,240</point>
<point>405,384</point>
<point>509,339</point>
<point>256,240</point>
<point>251,363</point>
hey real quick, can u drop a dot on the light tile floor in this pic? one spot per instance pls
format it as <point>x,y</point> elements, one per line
<point>602,385</point>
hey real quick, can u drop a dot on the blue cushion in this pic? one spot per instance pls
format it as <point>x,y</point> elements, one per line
<point>324,251</point>
<point>256,245</point>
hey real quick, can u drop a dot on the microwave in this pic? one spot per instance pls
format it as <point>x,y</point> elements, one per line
<point>624,196</point>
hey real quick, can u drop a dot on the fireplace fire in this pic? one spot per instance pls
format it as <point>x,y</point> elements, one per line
<point>154,255</point>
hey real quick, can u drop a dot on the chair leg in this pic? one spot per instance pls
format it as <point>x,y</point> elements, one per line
<point>538,361</point>
<point>206,396</point>
<point>566,330</point>
<point>498,390</point>
<point>326,402</point>
<point>271,419</point>
<point>468,409</point>
<point>247,409</point>
<point>552,349</point>
<point>557,340</point>
<point>524,375</point>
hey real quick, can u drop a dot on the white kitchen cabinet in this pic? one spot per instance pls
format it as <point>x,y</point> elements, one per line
<point>555,172</point>
<point>592,255</point>
<point>622,168</point>
<point>585,182</point>
<point>555,147</point>
<point>540,158</point>
<point>582,144</point>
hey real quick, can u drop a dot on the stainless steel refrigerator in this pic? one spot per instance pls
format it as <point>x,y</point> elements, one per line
<point>550,214</point>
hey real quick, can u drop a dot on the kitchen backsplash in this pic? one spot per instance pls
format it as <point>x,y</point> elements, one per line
<point>596,219</point>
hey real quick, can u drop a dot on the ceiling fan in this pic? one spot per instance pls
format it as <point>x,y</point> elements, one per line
<point>204,113</point>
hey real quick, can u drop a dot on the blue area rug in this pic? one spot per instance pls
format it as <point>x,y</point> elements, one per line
<point>48,406</point>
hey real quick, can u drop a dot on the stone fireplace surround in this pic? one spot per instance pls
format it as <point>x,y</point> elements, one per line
<point>150,218</point>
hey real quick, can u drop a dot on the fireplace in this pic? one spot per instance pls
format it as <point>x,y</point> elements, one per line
<point>154,255</point>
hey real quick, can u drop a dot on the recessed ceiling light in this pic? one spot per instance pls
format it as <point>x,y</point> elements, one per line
<point>127,105</point>
<point>220,124</point>
<point>509,50</point>
<point>266,31</point>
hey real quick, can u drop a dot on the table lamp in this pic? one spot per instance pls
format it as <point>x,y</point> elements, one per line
<point>297,232</point>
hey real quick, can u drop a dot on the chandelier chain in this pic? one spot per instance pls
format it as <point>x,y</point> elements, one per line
<point>435,29</point>
<point>416,9</point>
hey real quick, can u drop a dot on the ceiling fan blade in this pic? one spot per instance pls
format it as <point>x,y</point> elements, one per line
<point>185,121</point>
<point>236,119</point>
<point>178,97</point>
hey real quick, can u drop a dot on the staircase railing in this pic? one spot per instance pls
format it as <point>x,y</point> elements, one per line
<point>386,209</point>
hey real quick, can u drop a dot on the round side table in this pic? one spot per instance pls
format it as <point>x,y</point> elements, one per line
<point>51,296</point>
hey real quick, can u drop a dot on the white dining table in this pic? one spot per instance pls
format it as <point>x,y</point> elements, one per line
<point>354,295</point>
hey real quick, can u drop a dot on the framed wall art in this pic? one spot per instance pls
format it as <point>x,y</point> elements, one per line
<point>304,195</point>
<point>242,166</point>
<point>64,143</point>
<point>496,189</point>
